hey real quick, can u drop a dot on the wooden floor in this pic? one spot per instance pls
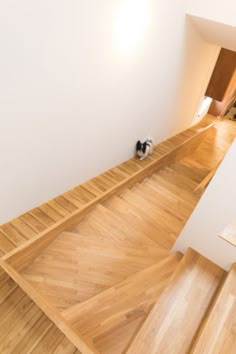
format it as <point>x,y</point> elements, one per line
<point>153,212</point>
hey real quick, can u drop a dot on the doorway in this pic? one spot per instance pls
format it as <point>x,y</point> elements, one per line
<point>222,86</point>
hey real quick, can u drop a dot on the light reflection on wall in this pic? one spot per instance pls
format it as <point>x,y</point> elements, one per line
<point>132,22</point>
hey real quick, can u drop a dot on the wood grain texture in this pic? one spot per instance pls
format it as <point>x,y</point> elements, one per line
<point>112,318</point>
<point>76,267</point>
<point>217,335</point>
<point>204,183</point>
<point>24,328</point>
<point>42,336</point>
<point>110,244</point>
<point>22,255</point>
<point>80,343</point>
<point>173,321</point>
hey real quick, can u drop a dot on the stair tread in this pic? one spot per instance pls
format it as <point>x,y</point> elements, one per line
<point>217,334</point>
<point>194,172</point>
<point>164,220</point>
<point>171,196</point>
<point>150,205</point>
<point>195,281</point>
<point>101,251</point>
<point>111,225</point>
<point>112,318</point>
<point>134,215</point>
<point>197,166</point>
<point>73,240</point>
<point>179,179</point>
<point>166,199</point>
<point>184,194</point>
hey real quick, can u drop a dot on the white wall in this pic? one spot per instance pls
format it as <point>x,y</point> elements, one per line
<point>215,210</point>
<point>199,58</point>
<point>81,81</point>
<point>215,10</point>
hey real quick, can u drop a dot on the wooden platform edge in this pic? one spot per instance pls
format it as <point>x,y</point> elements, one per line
<point>22,255</point>
<point>81,344</point>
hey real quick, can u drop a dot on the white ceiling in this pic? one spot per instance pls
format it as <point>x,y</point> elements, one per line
<point>216,32</point>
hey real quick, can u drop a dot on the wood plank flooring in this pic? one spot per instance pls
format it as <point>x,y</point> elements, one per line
<point>30,330</point>
<point>24,328</point>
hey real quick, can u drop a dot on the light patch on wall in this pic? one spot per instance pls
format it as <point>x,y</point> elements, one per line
<point>132,22</point>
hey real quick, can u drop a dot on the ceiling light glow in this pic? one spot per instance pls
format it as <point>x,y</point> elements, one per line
<point>132,23</point>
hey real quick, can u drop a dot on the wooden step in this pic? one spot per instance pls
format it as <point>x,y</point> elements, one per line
<point>206,155</point>
<point>188,168</point>
<point>112,318</point>
<point>67,273</point>
<point>102,250</point>
<point>183,194</point>
<point>171,325</point>
<point>148,202</point>
<point>136,216</point>
<point>217,334</point>
<point>166,200</point>
<point>178,179</point>
<point>172,196</point>
<point>190,160</point>
<point>162,219</point>
<point>171,221</point>
<point>114,229</point>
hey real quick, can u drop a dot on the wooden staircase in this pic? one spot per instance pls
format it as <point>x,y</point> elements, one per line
<point>112,318</point>
<point>217,333</point>
<point>105,275</point>
<point>126,235</point>
<point>109,276</point>
<point>174,320</point>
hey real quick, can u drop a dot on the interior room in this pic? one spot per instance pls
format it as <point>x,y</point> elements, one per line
<point>118,155</point>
